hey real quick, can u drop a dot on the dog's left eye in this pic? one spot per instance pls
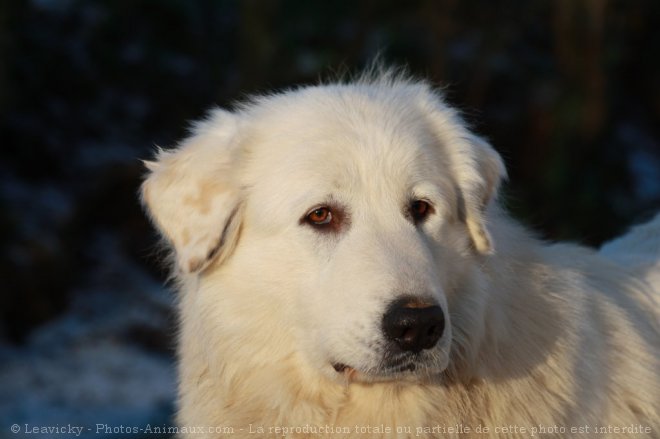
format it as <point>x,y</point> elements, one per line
<point>419,210</point>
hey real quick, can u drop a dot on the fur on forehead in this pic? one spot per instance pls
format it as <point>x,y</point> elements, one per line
<point>335,134</point>
<point>380,111</point>
<point>352,118</point>
<point>384,105</point>
<point>381,106</point>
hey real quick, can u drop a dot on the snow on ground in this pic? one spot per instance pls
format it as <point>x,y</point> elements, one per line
<point>108,360</point>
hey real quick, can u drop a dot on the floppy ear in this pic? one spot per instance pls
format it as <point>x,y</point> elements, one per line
<point>191,196</point>
<point>479,178</point>
<point>476,166</point>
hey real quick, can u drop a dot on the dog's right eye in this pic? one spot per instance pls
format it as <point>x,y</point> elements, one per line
<point>326,218</point>
<point>320,216</point>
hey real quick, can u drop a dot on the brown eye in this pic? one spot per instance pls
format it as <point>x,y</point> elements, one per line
<point>419,210</point>
<point>320,216</point>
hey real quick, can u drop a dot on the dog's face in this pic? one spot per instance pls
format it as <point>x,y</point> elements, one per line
<point>362,204</point>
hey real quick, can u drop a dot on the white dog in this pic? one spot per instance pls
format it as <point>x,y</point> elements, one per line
<point>344,268</point>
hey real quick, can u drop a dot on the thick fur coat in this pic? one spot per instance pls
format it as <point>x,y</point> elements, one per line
<point>298,218</point>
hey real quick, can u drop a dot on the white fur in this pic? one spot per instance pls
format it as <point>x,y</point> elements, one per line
<point>538,335</point>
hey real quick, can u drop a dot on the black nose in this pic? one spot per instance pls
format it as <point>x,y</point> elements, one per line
<point>413,326</point>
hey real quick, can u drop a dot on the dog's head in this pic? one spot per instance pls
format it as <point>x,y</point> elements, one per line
<point>355,213</point>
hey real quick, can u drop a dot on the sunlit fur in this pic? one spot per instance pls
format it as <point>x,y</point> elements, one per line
<point>538,334</point>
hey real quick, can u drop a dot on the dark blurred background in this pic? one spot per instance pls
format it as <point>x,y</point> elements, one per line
<point>568,91</point>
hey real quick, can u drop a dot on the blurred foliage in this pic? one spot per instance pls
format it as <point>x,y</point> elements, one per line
<point>566,90</point>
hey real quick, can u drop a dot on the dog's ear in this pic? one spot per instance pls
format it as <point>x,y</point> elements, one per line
<point>477,168</point>
<point>479,175</point>
<point>191,196</point>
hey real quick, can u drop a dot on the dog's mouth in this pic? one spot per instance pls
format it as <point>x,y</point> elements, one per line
<point>341,367</point>
<point>394,372</point>
<point>347,371</point>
